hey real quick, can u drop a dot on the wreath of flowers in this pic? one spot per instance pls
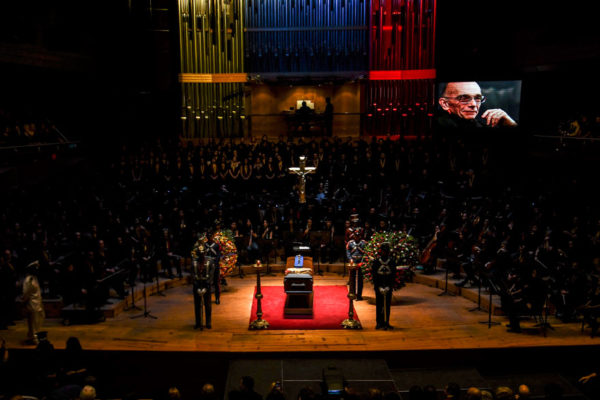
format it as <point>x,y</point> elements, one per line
<point>403,248</point>
<point>226,246</point>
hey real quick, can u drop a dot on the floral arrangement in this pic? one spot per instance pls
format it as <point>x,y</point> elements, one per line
<point>404,250</point>
<point>226,246</point>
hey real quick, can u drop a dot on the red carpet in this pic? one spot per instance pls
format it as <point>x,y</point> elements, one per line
<point>330,308</point>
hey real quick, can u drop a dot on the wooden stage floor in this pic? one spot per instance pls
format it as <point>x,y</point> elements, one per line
<point>422,320</point>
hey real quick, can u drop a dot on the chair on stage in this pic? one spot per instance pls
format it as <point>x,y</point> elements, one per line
<point>298,286</point>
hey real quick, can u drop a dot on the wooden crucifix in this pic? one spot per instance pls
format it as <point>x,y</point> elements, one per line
<point>302,171</point>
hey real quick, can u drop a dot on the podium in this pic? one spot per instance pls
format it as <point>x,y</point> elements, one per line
<point>298,286</point>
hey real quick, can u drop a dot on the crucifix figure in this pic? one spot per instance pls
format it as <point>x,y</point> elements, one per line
<point>302,171</point>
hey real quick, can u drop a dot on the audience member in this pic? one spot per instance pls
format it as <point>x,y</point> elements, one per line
<point>523,392</point>
<point>174,394</point>
<point>473,393</point>
<point>452,391</point>
<point>87,393</point>
<point>504,393</point>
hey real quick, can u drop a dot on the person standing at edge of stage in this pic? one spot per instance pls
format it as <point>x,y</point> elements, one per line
<point>32,298</point>
<point>384,274</point>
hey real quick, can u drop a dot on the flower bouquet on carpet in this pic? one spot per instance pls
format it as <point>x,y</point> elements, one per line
<point>404,250</point>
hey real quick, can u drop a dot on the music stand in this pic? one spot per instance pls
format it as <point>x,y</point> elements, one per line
<point>492,288</point>
<point>478,308</point>
<point>446,292</point>
<point>158,291</point>
<point>132,306</point>
<point>319,263</point>
<point>544,324</point>
<point>146,313</point>
<point>314,242</point>
<point>240,271</point>
<point>238,245</point>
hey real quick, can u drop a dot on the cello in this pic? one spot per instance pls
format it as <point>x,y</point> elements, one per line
<point>426,253</point>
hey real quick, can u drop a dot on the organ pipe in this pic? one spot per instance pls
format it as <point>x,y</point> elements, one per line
<point>211,42</point>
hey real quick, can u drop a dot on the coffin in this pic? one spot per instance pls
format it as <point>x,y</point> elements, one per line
<point>298,283</point>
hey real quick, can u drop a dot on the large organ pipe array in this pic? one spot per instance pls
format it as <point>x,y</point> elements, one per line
<point>402,34</point>
<point>221,41</point>
<point>402,38</point>
<point>306,35</point>
<point>399,107</point>
<point>211,43</point>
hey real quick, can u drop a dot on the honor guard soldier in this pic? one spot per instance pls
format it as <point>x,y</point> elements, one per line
<point>355,250</point>
<point>384,275</point>
<point>212,255</point>
<point>202,286</point>
<point>354,230</point>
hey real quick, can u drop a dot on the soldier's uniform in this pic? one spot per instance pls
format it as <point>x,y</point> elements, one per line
<point>202,283</point>
<point>384,275</point>
<point>354,253</point>
<point>212,255</point>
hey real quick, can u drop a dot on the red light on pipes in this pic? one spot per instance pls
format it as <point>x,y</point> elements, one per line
<point>403,74</point>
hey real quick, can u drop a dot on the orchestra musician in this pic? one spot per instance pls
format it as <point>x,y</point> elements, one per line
<point>512,300</point>
<point>167,257</point>
<point>591,309</point>
<point>328,242</point>
<point>252,239</point>
<point>266,239</point>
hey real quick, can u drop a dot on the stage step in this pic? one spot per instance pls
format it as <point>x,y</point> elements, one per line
<point>438,280</point>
